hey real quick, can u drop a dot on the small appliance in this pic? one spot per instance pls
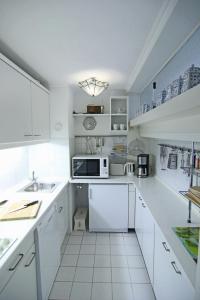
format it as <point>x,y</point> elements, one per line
<point>116,169</point>
<point>129,168</point>
<point>143,165</point>
<point>90,166</point>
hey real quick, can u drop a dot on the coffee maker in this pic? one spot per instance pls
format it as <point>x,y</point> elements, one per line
<point>143,165</point>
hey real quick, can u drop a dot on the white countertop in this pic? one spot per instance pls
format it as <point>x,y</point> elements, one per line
<point>21,228</point>
<point>168,208</point>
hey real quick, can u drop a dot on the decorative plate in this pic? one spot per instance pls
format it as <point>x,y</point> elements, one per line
<point>89,123</point>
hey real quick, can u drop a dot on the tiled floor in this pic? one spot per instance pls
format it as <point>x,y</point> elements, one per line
<point>101,266</point>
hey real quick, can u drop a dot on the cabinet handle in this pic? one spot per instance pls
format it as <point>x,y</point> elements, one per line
<point>31,259</point>
<point>165,246</point>
<point>37,135</point>
<point>143,205</point>
<point>17,262</point>
<point>175,267</point>
<point>60,209</point>
<point>28,135</point>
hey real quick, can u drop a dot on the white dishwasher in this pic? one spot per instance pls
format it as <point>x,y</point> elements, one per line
<point>108,207</point>
<point>47,253</point>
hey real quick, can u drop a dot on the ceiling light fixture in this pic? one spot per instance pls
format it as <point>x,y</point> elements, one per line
<point>92,86</point>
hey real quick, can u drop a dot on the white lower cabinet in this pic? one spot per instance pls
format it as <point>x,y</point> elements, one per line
<point>144,227</point>
<point>62,214</point>
<point>170,281</point>
<point>131,206</point>
<point>108,207</point>
<point>22,283</point>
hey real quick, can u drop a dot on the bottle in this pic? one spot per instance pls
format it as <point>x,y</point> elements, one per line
<point>154,95</point>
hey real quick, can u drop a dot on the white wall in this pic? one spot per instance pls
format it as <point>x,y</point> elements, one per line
<point>13,167</point>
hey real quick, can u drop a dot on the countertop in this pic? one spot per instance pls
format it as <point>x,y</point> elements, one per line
<point>21,228</point>
<point>168,208</point>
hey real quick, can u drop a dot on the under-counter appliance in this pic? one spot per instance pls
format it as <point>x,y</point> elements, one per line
<point>143,165</point>
<point>90,166</point>
<point>47,253</point>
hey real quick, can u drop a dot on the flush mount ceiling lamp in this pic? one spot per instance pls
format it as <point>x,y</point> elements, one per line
<point>92,86</point>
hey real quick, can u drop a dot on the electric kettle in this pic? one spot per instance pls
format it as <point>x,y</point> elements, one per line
<point>129,168</point>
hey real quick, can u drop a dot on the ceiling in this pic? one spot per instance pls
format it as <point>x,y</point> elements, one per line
<point>61,42</point>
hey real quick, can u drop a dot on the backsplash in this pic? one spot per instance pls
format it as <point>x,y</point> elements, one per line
<point>14,167</point>
<point>176,179</point>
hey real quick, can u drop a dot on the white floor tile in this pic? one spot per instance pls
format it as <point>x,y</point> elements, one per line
<point>89,240</point>
<point>87,249</point>
<point>116,240</point>
<point>103,240</point>
<point>122,291</point>
<point>103,249</point>
<point>117,250</point>
<point>117,234</point>
<point>89,234</point>
<point>130,241</point>
<point>139,276</point>
<point>101,291</point>
<point>79,233</point>
<point>61,290</point>
<point>143,292</point>
<point>135,261</point>
<point>132,250</point>
<point>75,240</point>
<point>119,261</point>
<point>69,260</point>
<point>120,275</point>
<point>102,275</point>
<point>83,274</point>
<point>65,274</point>
<point>103,234</point>
<point>102,261</point>
<point>85,261</point>
<point>72,249</point>
<point>81,291</point>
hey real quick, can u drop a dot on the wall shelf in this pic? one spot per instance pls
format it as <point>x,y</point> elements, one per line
<point>90,115</point>
<point>184,105</point>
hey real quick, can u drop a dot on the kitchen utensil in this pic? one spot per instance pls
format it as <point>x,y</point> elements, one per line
<point>116,169</point>
<point>163,156</point>
<point>129,168</point>
<point>172,160</point>
<point>24,206</point>
<point>29,213</point>
<point>89,123</point>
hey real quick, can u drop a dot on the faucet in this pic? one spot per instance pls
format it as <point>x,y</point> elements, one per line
<point>34,182</point>
<point>34,179</point>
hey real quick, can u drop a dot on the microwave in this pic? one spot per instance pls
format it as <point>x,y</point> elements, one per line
<point>90,166</point>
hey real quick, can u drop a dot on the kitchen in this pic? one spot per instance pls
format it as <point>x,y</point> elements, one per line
<point>99,150</point>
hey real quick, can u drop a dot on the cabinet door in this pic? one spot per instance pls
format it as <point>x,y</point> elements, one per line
<point>15,106</point>
<point>170,281</point>
<point>139,218</point>
<point>131,206</point>
<point>40,113</point>
<point>22,284</point>
<point>62,215</point>
<point>148,240</point>
<point>108,207</point>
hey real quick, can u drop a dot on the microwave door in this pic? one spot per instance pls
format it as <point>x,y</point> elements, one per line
<point>87,167</point>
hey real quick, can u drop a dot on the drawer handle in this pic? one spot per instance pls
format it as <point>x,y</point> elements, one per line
<point>31,259</point>
<point>27,134</point>
<point>17,262</point>
<point>37,134</point>
<point>165,246</point>
<point>60,209</point>
<point>175,267</point>
<point>143,205</point>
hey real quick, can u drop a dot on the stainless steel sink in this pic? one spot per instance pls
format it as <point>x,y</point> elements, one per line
<point>40,187</point>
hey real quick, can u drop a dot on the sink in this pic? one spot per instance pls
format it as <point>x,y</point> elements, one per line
<point>5,244</point>
<point>40,187</point>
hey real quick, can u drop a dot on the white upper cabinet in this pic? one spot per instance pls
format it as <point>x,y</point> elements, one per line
<point>24,108</point>
<point>40,113</point>
<point>15,105</point>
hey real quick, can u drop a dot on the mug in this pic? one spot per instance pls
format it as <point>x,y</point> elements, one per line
<point>115,126</point>
<point>122,126</point>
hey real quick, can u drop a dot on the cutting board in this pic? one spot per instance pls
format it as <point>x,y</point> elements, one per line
<point>193,198</point>
<point>26,213</point>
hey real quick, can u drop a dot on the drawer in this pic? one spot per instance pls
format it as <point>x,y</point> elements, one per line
<point>131,187</point>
